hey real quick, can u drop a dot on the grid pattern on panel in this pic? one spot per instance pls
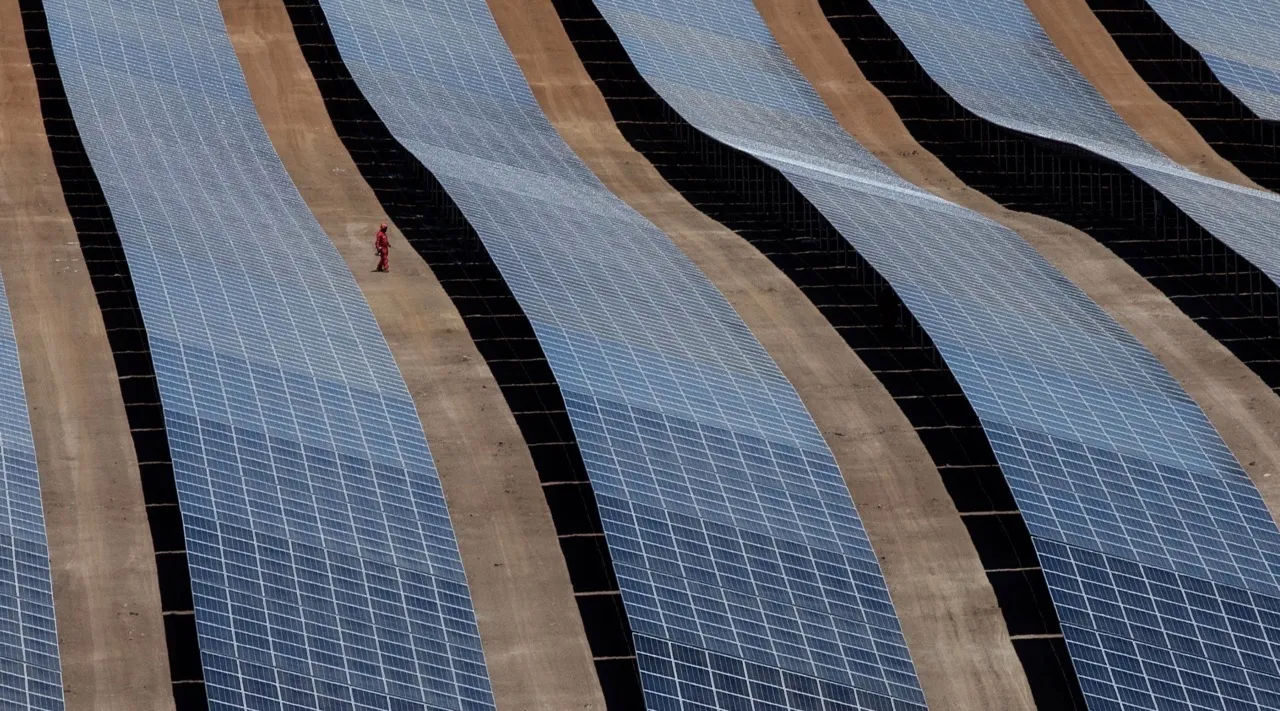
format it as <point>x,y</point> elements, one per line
<point>30,674</point>
<point>1107,458</point>
<point>324,569</point>
<point>1149,638</point>
<point>734,539</point>
<point>1238,41</point>
<point>994,58</point>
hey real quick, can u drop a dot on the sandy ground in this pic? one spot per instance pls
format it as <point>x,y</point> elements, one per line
<point>1081,37</point>
<point>1245,412</point>
<point>949,614</point>
<point>530,628</point>
<point>107,599</point>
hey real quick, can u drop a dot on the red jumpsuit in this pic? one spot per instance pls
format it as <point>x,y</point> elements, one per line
<point>383,248</point>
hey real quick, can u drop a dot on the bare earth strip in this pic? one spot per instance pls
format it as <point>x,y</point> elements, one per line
<point>530,628</point>
<point>953,626</point>
<point>1081,37</point>
<point>106,595</point>
<point>1245,412</point>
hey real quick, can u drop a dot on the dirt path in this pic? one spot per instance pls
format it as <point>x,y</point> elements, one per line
<point>529,623</point>
<point>1245,412</point>
<point>106,596</point>
<point>949,614</point>
<point>1086,43</point>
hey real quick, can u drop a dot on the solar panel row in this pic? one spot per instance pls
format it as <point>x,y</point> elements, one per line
<point>30,674</point>
<point>1141,517</point>
<point>1238,40</point>
<point>324,569</point>
<point>746,575</point>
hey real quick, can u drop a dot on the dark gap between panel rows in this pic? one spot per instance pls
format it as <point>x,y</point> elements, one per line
<point>756,201</point>
<point>104,259</point>
<point>432,223</point>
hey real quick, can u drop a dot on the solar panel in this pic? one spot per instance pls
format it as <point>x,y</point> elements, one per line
<point>324,569</point>
<point>746,575</point>
<point>30,674</point>
<point>1161,556</point>
<point>1238,40</point>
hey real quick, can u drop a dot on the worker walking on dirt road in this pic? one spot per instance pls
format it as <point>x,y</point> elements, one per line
<point>383,249</point>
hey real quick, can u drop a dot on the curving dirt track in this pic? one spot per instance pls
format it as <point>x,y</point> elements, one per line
<point>1245,412</point>
<point>949,614</point>
<point>107,598</point>
<point>530,628</point>
<point>1081,37</point>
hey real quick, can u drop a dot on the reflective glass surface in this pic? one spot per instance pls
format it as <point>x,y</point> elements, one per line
<point>323,565</point>
<point>1162,557</point>
<point>747,577</point>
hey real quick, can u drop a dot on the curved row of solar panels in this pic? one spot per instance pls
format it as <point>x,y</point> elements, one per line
<point>1238,40</point>
<point>995,59</point>
<point>323,565</point>
<point>1161,557</point>
<point>30,674</point>
<point>745,573</point>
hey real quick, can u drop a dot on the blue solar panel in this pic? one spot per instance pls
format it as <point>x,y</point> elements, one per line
<point>745,572</point>
<point>30,675</point>
<point>324,568</point>
<point>1121,479</point>
<point>1240,41</point>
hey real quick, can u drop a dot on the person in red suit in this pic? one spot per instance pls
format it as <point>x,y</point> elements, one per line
<point>383,249</point>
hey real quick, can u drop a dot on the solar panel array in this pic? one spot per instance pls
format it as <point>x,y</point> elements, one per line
<point>324,568</point>
<point>1238,40</point>
<point>996,60</point>
<point>746,575</point>
<point>30,674</point>
<point>1161,556</point>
